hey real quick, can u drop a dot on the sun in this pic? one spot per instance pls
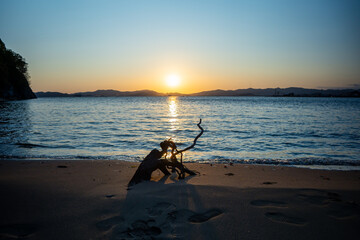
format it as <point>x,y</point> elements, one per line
<point>173,80</point>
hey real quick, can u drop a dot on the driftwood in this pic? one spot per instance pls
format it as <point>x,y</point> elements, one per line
<point>154,161</point>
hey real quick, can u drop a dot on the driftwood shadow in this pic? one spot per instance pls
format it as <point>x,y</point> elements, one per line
<point>161,208</point>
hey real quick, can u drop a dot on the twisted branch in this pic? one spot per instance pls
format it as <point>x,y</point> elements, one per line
<point>174,163</point>
<point>194,143</point>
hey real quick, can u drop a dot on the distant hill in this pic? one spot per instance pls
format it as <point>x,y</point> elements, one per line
<point>52,94</point>
<point>280,92</point>
<point>115,93</point>
<point>102,93</point>
<point>14,83</point>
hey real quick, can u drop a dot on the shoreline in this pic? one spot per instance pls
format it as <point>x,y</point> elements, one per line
<point>327,167</point>
<point>88,199</point>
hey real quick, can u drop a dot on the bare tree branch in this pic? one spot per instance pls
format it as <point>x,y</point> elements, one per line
<point>153,161</point>
<point>199,135</point>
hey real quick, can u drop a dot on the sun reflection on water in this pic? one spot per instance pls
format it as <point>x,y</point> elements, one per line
<point>173,114</point>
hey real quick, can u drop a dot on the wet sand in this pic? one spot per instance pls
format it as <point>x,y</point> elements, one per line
<point>90,200</point>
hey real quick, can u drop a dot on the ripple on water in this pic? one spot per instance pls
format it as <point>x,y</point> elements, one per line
<point>241,129</point>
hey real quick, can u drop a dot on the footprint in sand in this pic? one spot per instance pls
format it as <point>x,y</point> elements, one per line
<point>159,208</point>
<point>268,203</point>
<point>179,216</point>
<point>203,217</point>
<point>282,218</point>
<point>177,221</point>
<point>160,220</point>
<point>138,230</point>
<point>17,231</point>
<point>185,215</point>
<point>109,223</point>
<point>61,166</point>
<point>342,211</point>
<point>318,197</point>
<point>269,183</point>
<point>325,178</point>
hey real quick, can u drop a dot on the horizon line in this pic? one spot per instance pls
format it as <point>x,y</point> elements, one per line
<point>167,93</point>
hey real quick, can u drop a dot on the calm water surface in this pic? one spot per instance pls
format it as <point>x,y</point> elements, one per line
<point>296,131</point>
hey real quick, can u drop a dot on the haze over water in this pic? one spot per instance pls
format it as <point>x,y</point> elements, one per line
<point>269,130</point>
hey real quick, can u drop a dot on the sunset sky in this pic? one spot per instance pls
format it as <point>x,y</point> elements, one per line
<point>74,46</point>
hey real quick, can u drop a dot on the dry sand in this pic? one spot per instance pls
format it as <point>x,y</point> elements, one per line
<point>90,200</point>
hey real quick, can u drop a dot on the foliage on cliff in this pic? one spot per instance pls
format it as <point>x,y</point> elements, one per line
<point>14,84</point>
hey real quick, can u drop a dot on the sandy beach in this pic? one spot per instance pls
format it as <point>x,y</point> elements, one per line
<point>89,200</point>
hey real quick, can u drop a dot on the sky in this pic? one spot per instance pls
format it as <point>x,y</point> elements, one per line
<point>73,46</point>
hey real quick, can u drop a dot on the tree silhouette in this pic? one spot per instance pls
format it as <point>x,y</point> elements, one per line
<point>14,59</point>
<point>14,76</point>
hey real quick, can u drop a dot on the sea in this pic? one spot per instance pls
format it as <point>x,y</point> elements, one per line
<point>300,132</point>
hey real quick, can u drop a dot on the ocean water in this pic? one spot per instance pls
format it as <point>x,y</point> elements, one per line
<point>261,130</point>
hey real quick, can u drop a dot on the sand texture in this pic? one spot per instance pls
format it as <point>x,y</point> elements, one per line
<point>90,200</point>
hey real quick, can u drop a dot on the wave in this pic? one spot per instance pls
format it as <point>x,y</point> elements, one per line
<point>213,159</point>
<point>285,162</point>
<point>29,145</point>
